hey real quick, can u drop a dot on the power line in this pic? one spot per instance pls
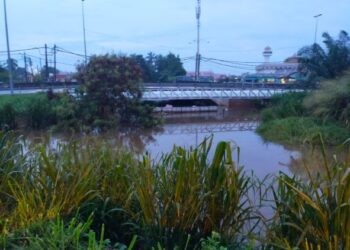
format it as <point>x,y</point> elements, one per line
<point>240,62</point>
<point>22,50</point>
<point>228,65</point>
<point>70,52</point>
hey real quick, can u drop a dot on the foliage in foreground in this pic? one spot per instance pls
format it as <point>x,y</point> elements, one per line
<point>314,213</point>
<point>79,195</point>
<point>162,201</point>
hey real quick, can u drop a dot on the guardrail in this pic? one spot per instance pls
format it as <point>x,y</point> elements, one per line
<point>161,94</point>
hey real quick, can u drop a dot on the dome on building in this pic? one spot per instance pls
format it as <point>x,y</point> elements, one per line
<point>267,50</point>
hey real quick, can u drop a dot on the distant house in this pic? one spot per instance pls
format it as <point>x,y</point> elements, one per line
<point>207,76</point>
<point>64,77</point>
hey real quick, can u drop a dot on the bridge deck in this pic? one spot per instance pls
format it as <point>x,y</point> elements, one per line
<point>162,93</point>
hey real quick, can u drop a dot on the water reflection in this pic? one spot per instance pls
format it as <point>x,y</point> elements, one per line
<point>188,130</point>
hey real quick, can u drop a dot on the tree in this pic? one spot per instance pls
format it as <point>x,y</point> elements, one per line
<point>146,67</point>
<point>3,74</point>
<point>158,68</point>
<point>168,67</point>
<point>112,91</point>
<point>326,63</point>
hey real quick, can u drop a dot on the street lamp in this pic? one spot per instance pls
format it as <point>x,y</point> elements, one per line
<point>316,27</point>
<point>8,50</point>
<point>84,30</point>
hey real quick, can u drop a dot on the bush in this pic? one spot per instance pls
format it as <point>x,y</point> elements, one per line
<point>112,92</point>
<point>331,101</point>
<point>40,113</point>
<point>56,234</point>
<point>285,105</point>
<point>296,130</point>
<point>7,117</point>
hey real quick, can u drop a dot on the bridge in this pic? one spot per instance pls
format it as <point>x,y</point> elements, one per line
<point>183,91</point>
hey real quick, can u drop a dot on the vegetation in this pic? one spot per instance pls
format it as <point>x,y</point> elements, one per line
<point>316,212</point>
<point>111,92</point>
<point>110,97</point>
<point>331,101</point>
<point>300,116</point>
<point>88,196</point>
<point>321,64</point>
<point>296,130</point>
<point>159,68</point>
<point>34,111</point>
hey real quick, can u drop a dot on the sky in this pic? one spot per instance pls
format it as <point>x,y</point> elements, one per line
<point>230,29</point>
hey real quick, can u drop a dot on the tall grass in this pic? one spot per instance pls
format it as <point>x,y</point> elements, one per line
<point>77,189</point>
<point>315,213</point>
<point>332,100</point>
<point>184,194</point>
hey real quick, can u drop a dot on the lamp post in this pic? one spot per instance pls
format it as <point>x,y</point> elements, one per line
<point>84,30</point>
<point>9,61</point>
<point>316,26</point>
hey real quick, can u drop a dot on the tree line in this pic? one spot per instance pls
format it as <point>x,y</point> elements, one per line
<point>154,68</point>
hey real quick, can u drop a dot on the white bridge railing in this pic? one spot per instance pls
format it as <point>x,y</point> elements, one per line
<point>159,94</point>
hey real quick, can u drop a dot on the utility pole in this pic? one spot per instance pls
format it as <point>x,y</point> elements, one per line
<point>84,30</point>
<point>25,67</point>
<point>9,61</point>
<point>54,63</point>
<point>316,26</point>
<point>198,55</point>
<point>31,68</point>
<point>46,65</point>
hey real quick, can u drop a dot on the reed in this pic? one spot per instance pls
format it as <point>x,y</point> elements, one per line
<point>315,213</point>
<point>185,193</point>
<point>175,201</point>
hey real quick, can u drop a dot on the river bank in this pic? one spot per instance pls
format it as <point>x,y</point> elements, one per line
<point>289,121</point>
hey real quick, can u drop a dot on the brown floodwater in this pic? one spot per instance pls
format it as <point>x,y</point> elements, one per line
<point>189,130</point>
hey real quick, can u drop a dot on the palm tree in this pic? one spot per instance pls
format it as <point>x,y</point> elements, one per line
<point>329,62</point>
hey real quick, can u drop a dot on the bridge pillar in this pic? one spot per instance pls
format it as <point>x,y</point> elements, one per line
<point>222,102</point>
<point>235,103</point>
<point>241,104</point>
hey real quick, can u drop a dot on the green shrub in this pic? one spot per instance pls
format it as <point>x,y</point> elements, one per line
<point>331,101</point>
<point>55,235</point>
<point>7,117</point>
<point>296,130</point>
<point>40,113</point>
<point>285,105</point>
<point>212,243</point>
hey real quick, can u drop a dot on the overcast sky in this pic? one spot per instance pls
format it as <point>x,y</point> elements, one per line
<point>231,29</point>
